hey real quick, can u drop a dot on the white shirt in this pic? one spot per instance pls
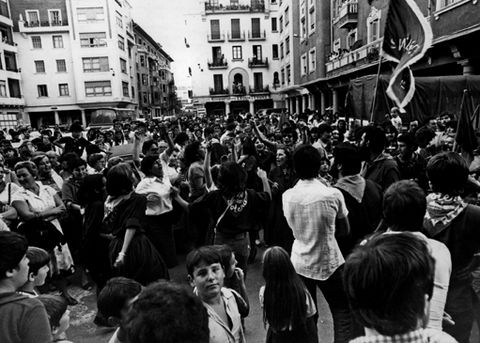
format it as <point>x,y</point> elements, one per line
<point>159,200</point>
<point>311,209</point>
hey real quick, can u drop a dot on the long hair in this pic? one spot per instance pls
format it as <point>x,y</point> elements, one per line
<point>284,303</point>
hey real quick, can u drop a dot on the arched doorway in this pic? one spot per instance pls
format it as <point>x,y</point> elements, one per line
<point>238,81</point>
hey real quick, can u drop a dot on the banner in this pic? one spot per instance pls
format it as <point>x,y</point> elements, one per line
<point>407,37</point>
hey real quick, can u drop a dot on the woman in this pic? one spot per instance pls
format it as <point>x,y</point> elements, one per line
<point>34,201</point>
<point>131,254</point>
<point>96,163</point>
<point>282,177</point>
<point>292,318</point>
<point>158,216</point>
<point>46,175</point>
<point>7,213</point>
<point>193,158</point>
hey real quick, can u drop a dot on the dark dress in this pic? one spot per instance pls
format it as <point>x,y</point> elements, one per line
<point>142,261</point>
<point>308,334</point>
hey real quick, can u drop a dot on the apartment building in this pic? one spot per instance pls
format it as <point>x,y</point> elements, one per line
<point>11,99</point>
<point>237,60</point>
<point>155,83</point>
<point>76,57</point>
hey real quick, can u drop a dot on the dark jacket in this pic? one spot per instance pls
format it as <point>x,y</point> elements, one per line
<point>383,170</point>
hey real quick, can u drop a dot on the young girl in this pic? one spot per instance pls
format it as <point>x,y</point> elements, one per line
<point>58,315</point>
<point>292,318</point>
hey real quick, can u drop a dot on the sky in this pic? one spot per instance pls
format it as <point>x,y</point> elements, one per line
<point>164,20</point>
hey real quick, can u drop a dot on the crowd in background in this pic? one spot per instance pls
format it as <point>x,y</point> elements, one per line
<point>325,194</point>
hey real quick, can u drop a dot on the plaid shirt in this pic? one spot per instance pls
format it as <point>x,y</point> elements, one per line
<point>418,336</point>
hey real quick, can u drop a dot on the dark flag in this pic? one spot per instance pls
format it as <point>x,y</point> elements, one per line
<point>407,37</point>
<point>465,136</point>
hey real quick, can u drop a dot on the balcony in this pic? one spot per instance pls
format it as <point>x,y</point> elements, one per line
<point>254,36</point>
<point>219,37</point>
<point>43,26</point>
<point>258,62</point>
<point>240,37</point>
<point>348,15</point>
<point>220,63</point>
<point>260,90</point>
<point>255,6</point>
<point>238,89</point>
<point>219,92</point>
<point>362,56</point>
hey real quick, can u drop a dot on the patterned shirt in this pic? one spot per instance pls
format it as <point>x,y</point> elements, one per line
<point>311,209</point>
<point>417,336</point>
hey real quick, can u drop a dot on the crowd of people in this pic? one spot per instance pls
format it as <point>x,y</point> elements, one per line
<point>381,217</point>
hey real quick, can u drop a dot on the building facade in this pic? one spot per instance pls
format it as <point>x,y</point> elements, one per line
<point>237,56</point>
<point>11,94</point>
<point>77,57</point>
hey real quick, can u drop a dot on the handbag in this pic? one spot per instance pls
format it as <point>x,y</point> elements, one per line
<point>41,233</point>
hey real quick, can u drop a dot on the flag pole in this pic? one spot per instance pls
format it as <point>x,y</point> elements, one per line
<point>372,108</point>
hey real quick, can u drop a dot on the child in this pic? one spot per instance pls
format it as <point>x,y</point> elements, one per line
<point>113,302</point>
<point>206,275</point>
<point>58,315</point>
<point>325,176</point>
<point>38,269</point>
<point>288,307</point>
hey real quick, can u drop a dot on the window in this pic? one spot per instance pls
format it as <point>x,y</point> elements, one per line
<point>121,43</point>
<point>61,66</point>
<point>39,66</point>
<point>303,28</point>
<point>282,76</point>
<point>287,71</point>
<point>311,19</point>
<point>123,66</point>
<point>93,39</point>
<point>142,60</point>
<point>237,52</point>
<point>257,52</point>
<point>33,17</point>
<point>3,89</point>
<point>95,64</point>
<point>55,17</point>
<point>445,3</point>
<point>281,50</point>
<point>8,120</point>
<point>287,17</point>
<point>98,88</point>
<point>57,42</point>
<point>351,38</point>
<point>215,29</point>
<point>119,20</point>
<point>258,81</point>
<point>218,83</point>
<point>42,91</point>
<point>36,42</point>
<point>274,25</point>
<point>145,79</point>
<point>303,65</point>
<point>275,51</point>
<point>373,29</point>
<point>287,45</point>
<point>280,23</point>
<point>63,89</point>
<point>336,45</point>
<point>256,28</point>
<point>90,14</point>
<point>125,89</point>
<point>312,60</point>
<point>235,23</point>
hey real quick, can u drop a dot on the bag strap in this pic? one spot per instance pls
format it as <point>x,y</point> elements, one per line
<point>220,219</point>
<point>9,193</point>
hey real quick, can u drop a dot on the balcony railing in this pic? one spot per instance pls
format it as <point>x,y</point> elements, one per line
<point>258,62</point>
<point>236,38</point>
<point>364,55</point>
<point>222,91</point>
<point>259,89</point>
<point>238,90</point>
<point>255,6</point>
<point>216,37</point>
<point>257,35</point>
<point>348,15</point>
<point>218,64</point>
<point>45,23</point>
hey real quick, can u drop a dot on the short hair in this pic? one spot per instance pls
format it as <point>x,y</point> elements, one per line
<point>37,159</point>
<point>376,138</point>
<point>94,158</point>
<point>75,163</point>
<point>386,281</point>
<point>232,179</point>
<point>408,139</point>
<point>167,312</point>
<point>206,254</point>
<point>13,248</point>
<point>119,180</point>
<point>448,173</point>
<point>28,165</point>
<point>192,153</point>
<point>115,294</point>
<point>76,127</point>
<point>208,131</point>
<point>347,155</point>
<point>147,163</point>
<point>324,127</point>
<point>401,198</point>
<point>306,161</point>
<point>181,138</point>
<point>225,253</point>
<point>55,306</point>
<point>424,135</point>
<point>147,145</point>
<point>37,258</point>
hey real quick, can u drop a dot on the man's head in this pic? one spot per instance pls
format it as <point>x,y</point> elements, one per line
<point>38,260</point>
<point>389,283</point>
<point>404,197</point>
<point>13,260</point>
<point>167,312</point>
<point>448,173</point>
<point>406,144</point>
<point>325,132</point>
<point>306,160</point>
<point>373,141</point>
<point>76,130</point>
<point>347,159</point>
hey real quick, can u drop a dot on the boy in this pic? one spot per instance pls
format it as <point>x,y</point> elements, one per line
<point>37,271</point>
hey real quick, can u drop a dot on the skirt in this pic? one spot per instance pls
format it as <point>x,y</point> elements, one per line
<point>160,232</point>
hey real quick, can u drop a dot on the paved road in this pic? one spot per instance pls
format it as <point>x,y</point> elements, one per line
<point>82,329</point>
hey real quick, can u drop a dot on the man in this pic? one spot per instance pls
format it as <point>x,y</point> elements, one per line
<point>379,166</point>
<point>406,197</point>
<point>411,165</point>
<point>76,143</point>
<point>363,197</point>
<point>317,214</point>
<point>23,319</point>
<point>324,132</point>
